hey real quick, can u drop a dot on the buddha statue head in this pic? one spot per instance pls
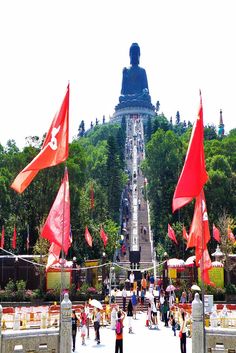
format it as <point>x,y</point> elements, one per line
<point>134,53</point>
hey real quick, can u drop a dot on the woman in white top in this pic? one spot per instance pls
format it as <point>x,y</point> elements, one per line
<point>183,330</point>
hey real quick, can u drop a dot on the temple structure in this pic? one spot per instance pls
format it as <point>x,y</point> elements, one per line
<point>221,128</point>
<point>135,99</point>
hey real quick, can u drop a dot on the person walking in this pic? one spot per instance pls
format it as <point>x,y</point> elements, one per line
<point>83,319</point>
<point>182,332</point>
<point>75,323</point>
<point>87,312</point>
<point>130,315</point>
<point>119,332</point>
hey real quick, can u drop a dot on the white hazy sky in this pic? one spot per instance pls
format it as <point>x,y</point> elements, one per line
<point>185,45</point>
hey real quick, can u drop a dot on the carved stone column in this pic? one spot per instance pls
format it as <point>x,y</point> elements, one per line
<point>197,330</point>
<point>65,325</point>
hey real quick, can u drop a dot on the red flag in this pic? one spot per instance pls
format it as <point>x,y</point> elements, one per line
<point>199,232</point>
<point>54,150</point>
<point>53,256</point>
<point>193,175</point>
<point>3,237</point>
<point>14,238</point>
<point>206,265</point>
<point>171,234</point>
<point>103,236</point>
<point>216,234</point>
<point>57,226</point>
<point>230,235</point>
<point>88,237</point>
<point>91,197</point>
<point>185,234</point>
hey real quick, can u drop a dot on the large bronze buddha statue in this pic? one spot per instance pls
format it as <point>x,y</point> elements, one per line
<point>134,90</point>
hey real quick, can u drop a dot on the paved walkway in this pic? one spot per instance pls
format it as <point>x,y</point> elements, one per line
<point>143,340</point>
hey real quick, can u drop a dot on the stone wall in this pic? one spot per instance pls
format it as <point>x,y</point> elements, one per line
<point>221,338</point>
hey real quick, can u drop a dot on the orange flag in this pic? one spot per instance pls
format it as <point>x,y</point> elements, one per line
<point>53,256</point>
<point>171,234</point>
<point>54,150</point>
<point>57,226</point>
<point>14,238</point>
<point>193,175</point>
<point>185,234</point>
<point>88,237</point>
<point>216,234</point>
<point>199,234</point>
<point>3,237</point>
<point>103,236</point>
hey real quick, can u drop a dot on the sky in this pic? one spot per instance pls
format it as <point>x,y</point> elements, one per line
<point>186,45</point>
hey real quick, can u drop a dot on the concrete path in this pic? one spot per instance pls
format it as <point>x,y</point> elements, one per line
<point>143,340</point>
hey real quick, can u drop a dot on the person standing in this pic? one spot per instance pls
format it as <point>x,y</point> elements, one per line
<point>87,312</point>
<point>131,280</point>
<point>182,332</point>
<point>134,304</point>
<point>74,322</point>
<point>130,315</point>
<point>124,295</point>
<point>119,332</point>
<point>97,320</point>
<point>165,312</point>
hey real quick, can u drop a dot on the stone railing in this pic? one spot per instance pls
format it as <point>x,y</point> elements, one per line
<point>35,340</point>
<point>47,340</point>
<point>220,340</point>
<point>215,339</point>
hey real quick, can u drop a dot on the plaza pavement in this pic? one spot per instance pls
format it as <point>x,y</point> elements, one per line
<point>142,340</point>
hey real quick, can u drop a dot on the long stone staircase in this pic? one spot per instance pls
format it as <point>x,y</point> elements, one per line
<point>138,228</point>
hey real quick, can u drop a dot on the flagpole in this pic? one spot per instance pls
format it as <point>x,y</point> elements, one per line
<point>203,286</point>
<point>62,241</point>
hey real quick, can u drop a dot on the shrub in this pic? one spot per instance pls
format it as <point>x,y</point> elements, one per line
<point>230,289</point>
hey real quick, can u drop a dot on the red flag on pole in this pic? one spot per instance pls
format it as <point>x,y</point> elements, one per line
<point>53,256</point>
<point>91,197</point>
<point>185,234</point>
<point>14,238</point>
<point>199,234</point>
<point>171,234</point>
<point>54,150</point>
<point>103,236</point>
<point>206,265</point>
<point>216,234</point>
<point>193,175</point>
<point>57,226</point>
<point>231,235</point>
<point>3,237</point>
<point>88,237</point>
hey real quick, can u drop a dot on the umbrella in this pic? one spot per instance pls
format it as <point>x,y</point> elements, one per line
<point>195,287</point>
<point>170,288</point>
<point>96,303</point>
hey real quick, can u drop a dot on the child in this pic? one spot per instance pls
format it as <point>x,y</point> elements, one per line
<point>149,315</point>
<point>173,324</point>
<point>83,318</point>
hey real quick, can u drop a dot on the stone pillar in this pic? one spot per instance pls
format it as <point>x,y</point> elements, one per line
<point>65,325</point>
<point>197,329</point>
<point>0,328</point>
